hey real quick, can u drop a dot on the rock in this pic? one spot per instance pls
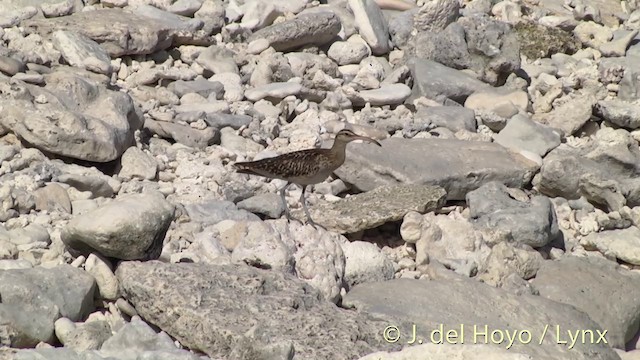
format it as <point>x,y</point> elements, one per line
<point>590,284</point>
<point>387,94</point>
<point>522,133</point>
<point>218,60</point>
<point>592,34</point>
<point>445,350</point>
<point>135,163</point>
<point>79,104</point>
<point>212,211</point>
<point>621,113</point>
<point>506,260</point>
<point>32,299</point>
<point>448,239</point>
<point>273,91</point>
<point>365,263</point>
<point>371,25</point>
<point>137,339</point>
<point>429,305</point>
<point>468,165</point>
<point>347,52</point>
<point>376,207</point>
<point>128,33</point>
<point>52,197</point>
<point>618,47</point>
<point>219,120</point>
<point>447,47</point>
<point>533,223</point>
<point>32,233</point>
<point>11,66</point>
<point>438,82</point>
<point>570,113</point>
<point>269,205</point>
<point>453,118</point>
<point>224,330</point>
<point>105,278</point>
<point>88,336</point>
<point>623,244</point>
<point>494,48</point>
<point>602,171</point>
<point>260,246</point>
<point>436,15</point>
<point>131,227</point>
<point>98,185</point>
<point>200,86</point>
<point>185,135</point>
<point>539,41</point>
<point>304,29</point>
<point>77,48</point>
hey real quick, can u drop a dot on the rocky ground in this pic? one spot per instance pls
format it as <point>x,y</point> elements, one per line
<point>503,204</point>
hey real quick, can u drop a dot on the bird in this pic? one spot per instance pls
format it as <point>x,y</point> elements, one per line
<point>303,167</point>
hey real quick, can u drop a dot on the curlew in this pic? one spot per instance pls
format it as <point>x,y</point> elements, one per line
<point>303,167</point>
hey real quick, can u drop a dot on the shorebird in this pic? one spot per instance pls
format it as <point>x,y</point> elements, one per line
<point>303,167</point>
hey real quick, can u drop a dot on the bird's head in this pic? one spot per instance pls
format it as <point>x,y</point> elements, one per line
<point>346,136</point>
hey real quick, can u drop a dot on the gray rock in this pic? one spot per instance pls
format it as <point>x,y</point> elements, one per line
<point>621,113</point>
<point>137,340</point>
<point>206,297</point>
<point>185,7</point>
<point>136,163</point>
<point>347,52</point>
<point>456,165</point>
<point>88,336</point>
<point>522,133</point>
<point>77,48</point>
<point>630,83</point>
<point>98,186</point>
<point>365,263</point>
<point>508,261</point>
<point>32,299</point>
<point>446,351</point>
<point>304,29</point>
<point>218,60</point>
<point>602,172</point>
<point>200,86</point>
<point>128,33</point>
<point>622,244</point>
<point>376,207</point>
<point>453,118</point>
<point>263,247</point>
<point>276,91</point>
<point>570,113</point>
<point>438,82</point>
<point>213,211</point>
<point>11,66</point>
<point>220,120</point>
<point>429,304</point>
<point>447,47</point>
<point>591,285</point>
<point>371,25</point>
<point>92,122</point>
<point>269,205</point>
<point>494,48</point>
<point>387,94</point>
<point>533,223</point>
<point>185,135</point>
<point>52,197</point>
<point>131,227</point>
<point>32,233</point>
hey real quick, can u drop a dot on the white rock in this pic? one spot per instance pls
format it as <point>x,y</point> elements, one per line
<point>105,278</point>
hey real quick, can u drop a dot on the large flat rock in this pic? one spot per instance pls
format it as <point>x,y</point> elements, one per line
<point>456,165</point>
<point>429,304</point>
<point>240,312</point>
<point>119,32</point>
<point>374,208</point>
<point>590,284</point>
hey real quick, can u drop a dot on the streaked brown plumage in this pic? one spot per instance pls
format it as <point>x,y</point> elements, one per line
<point>304,167</point>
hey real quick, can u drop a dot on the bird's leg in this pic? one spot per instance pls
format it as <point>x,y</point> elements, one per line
<point>304,206</point>
<point>284,201</point>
